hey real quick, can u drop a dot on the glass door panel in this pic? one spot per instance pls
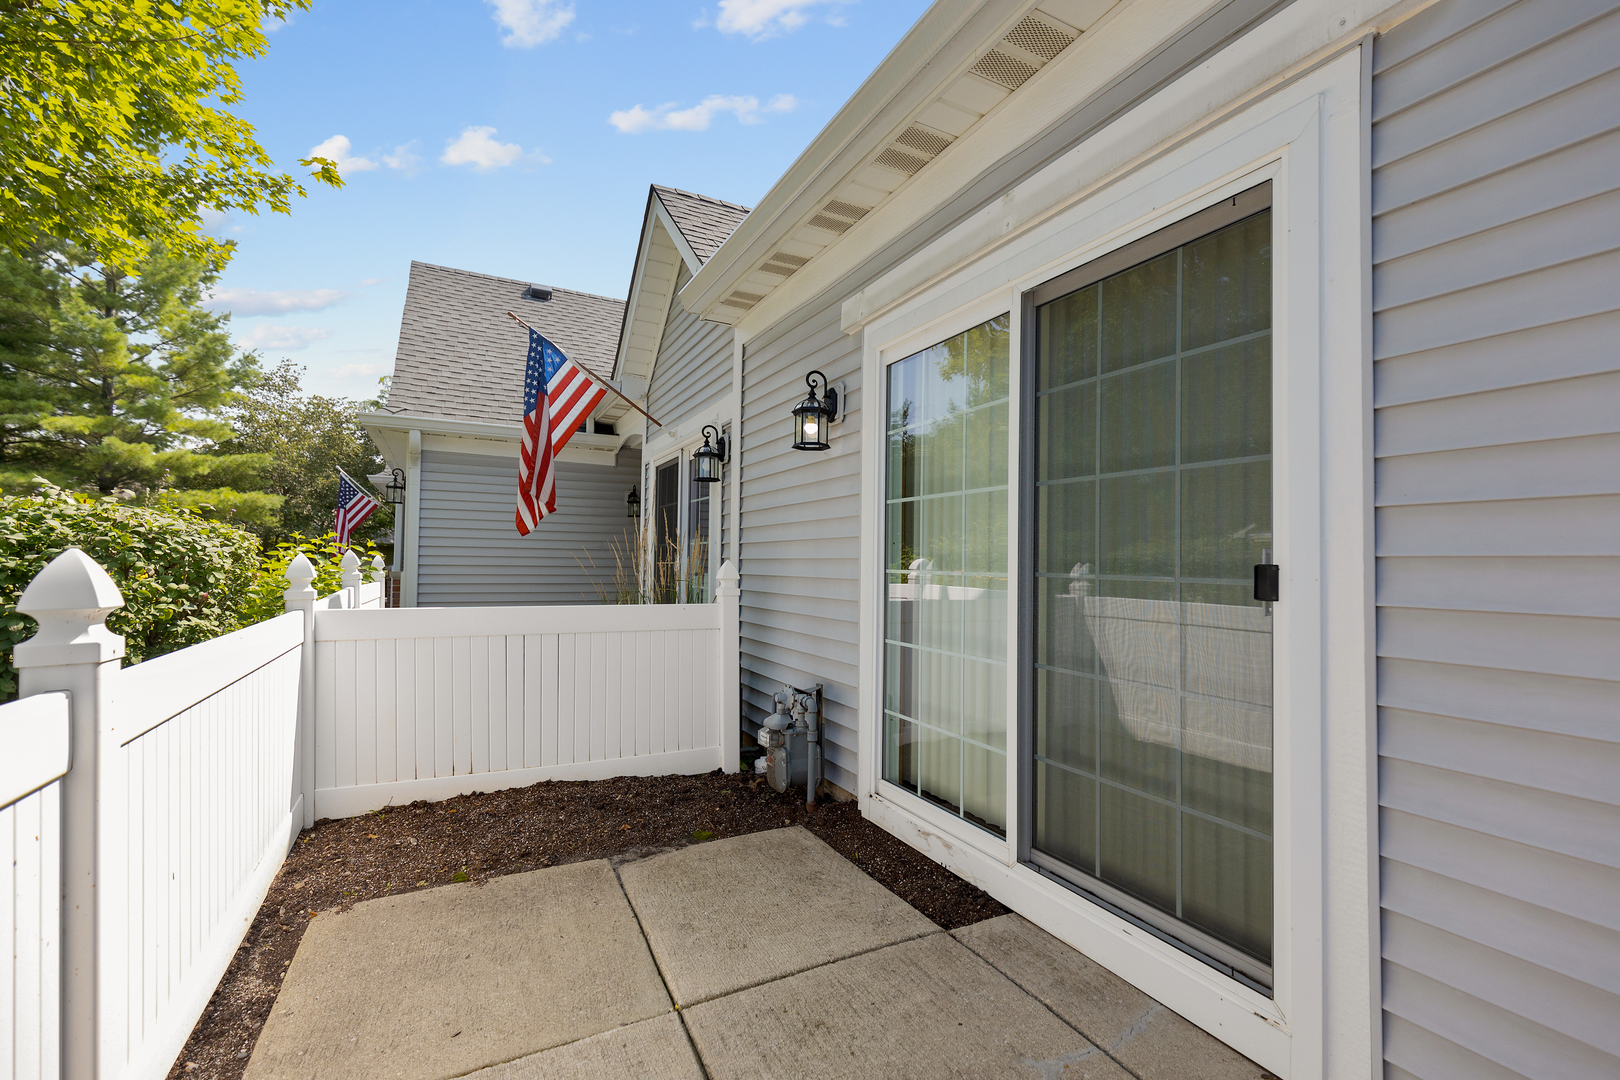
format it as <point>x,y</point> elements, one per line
<point>1150,500</point>
<point>666,552</point>
<point>945,620</point>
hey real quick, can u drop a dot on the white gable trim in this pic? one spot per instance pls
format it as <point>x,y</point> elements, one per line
<point>662,250</point>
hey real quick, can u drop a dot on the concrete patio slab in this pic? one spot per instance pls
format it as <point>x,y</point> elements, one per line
<point>927,1009</point>
<point>655,1049</point>
<point>1149,1039</point>
<point>696,904</point>
<point>438,983</point>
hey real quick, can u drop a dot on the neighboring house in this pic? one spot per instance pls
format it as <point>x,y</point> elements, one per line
<point>453,421</point>
<point>1130,298</point>
<point>686,367</point>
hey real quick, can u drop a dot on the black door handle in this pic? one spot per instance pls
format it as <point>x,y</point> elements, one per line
<point>1267,582</point>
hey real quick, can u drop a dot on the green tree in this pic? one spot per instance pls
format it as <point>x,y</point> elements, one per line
<point>306,439</point>
<point>114,129</point>
<point>119,381</point>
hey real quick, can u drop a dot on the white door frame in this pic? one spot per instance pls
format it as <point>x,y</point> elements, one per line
<point>1307,137</point>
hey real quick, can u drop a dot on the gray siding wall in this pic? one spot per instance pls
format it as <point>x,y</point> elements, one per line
<point>694,363</point>
<point>1496,280</point>
<point>801,519</point>
<point>471,554</point>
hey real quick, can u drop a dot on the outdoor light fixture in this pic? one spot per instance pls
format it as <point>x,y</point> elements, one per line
<point>708,458</point>
<point>396,488</point>
<point>634,503</point>
<point>812,416</point>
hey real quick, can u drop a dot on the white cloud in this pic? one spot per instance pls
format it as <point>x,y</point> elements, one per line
<point>370,280</point>
<point>760,19</point>
<point>667,117</point>
<point>531,22</point>
<point>349,371</point>
<point>404,159</point>
<point>244,302</point>
<point>337,148</point>
<point>475,147</point>
<point>282,337</point>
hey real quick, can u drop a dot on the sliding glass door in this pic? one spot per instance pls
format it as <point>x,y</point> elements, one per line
<point>1147,504</point>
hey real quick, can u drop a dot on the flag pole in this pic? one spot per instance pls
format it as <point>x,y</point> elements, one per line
<point>603,383</point>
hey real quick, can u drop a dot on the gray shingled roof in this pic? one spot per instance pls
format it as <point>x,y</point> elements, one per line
<point>705,222</point>
<point>461,358</point>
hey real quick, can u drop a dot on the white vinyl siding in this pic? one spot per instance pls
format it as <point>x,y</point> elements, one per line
<point>1496,277</point>
<point>471,553</point>
<point>801,518</point>
<point>693,366</point>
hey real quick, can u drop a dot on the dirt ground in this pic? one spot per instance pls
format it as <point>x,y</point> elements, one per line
<point>483,835</point>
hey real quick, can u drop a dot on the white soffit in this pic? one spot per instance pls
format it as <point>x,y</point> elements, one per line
<point>997,71</point>
<point>661,262</point>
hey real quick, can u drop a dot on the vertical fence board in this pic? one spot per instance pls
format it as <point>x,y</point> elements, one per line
<point>516,663</point>
<point>426,697</point>
<point>478,704</point>
<point>325,714</point>
<point>365,712</point>
<point>642,684</point>
<point>405,709</point>
<point>344,702</point>
<point>586,691</point>
<point>611,691</point>
<point>549,693</point>
<point>536,654</point>
<point>567,698</point>
<point>602,646</point>
<point>384,679</point>
<point>444,707</point>
<point>494,721</point>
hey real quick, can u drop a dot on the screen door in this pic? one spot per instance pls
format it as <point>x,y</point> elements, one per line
<point>1148,681</point>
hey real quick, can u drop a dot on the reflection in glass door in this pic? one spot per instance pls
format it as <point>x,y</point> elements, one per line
<point>945,618</point>
<point>1150,496</point>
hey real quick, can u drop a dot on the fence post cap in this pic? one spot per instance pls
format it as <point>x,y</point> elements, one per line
<point>350,560</point>
<point>70,599</point>
<point>299,574</point>
<point>377,563</point>
<point>727,580</point>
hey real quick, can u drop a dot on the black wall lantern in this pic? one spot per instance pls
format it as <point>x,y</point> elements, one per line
<point>707,459</point>
<point>396,488</point>
<point>634,503</point>
<point>813,415</point>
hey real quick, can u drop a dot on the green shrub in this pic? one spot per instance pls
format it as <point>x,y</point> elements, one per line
<point>184,579</point>
<point>265,598</point>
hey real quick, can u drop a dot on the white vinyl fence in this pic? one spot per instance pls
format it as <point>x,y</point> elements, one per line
<point>146,810</point>
<point>34,733</point>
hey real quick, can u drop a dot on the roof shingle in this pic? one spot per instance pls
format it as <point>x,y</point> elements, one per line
<point>461,358</point>
<point>704,222</point>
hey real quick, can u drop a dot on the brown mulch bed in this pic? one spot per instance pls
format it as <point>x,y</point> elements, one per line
<point>473,837</point>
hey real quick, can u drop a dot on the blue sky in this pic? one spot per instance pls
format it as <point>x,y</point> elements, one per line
<point>513,137</point>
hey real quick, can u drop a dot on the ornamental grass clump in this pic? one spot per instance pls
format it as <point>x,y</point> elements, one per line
<point>184,578</point>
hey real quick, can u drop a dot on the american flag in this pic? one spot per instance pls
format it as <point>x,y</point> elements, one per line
<point>353,507</point>
<point>557,397</point>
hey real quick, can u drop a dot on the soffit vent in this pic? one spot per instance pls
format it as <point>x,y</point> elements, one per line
<point>831,224</point>
<point>998,67</point>
<point>846,210</point>
<point>1042,39</point>
<point>900,160</point>
<point>921,139</point>
<point>744,300</point>
<point>782,264</point>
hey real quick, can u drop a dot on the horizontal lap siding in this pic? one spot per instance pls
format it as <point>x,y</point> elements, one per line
<point>471,554</point>
<point>1496,281</point>
<point>693,366</point>
<point>801,532</point>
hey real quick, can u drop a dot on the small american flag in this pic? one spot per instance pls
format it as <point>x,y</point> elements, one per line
<point>353,507</point>
<point>557,397</point>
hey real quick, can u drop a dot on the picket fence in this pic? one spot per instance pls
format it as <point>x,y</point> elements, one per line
<point>146,810</point>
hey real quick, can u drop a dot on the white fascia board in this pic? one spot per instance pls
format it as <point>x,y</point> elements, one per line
<point>908,78</point>
<point>636,275</point>
<point>688,256</point>
<point>479,437</point>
